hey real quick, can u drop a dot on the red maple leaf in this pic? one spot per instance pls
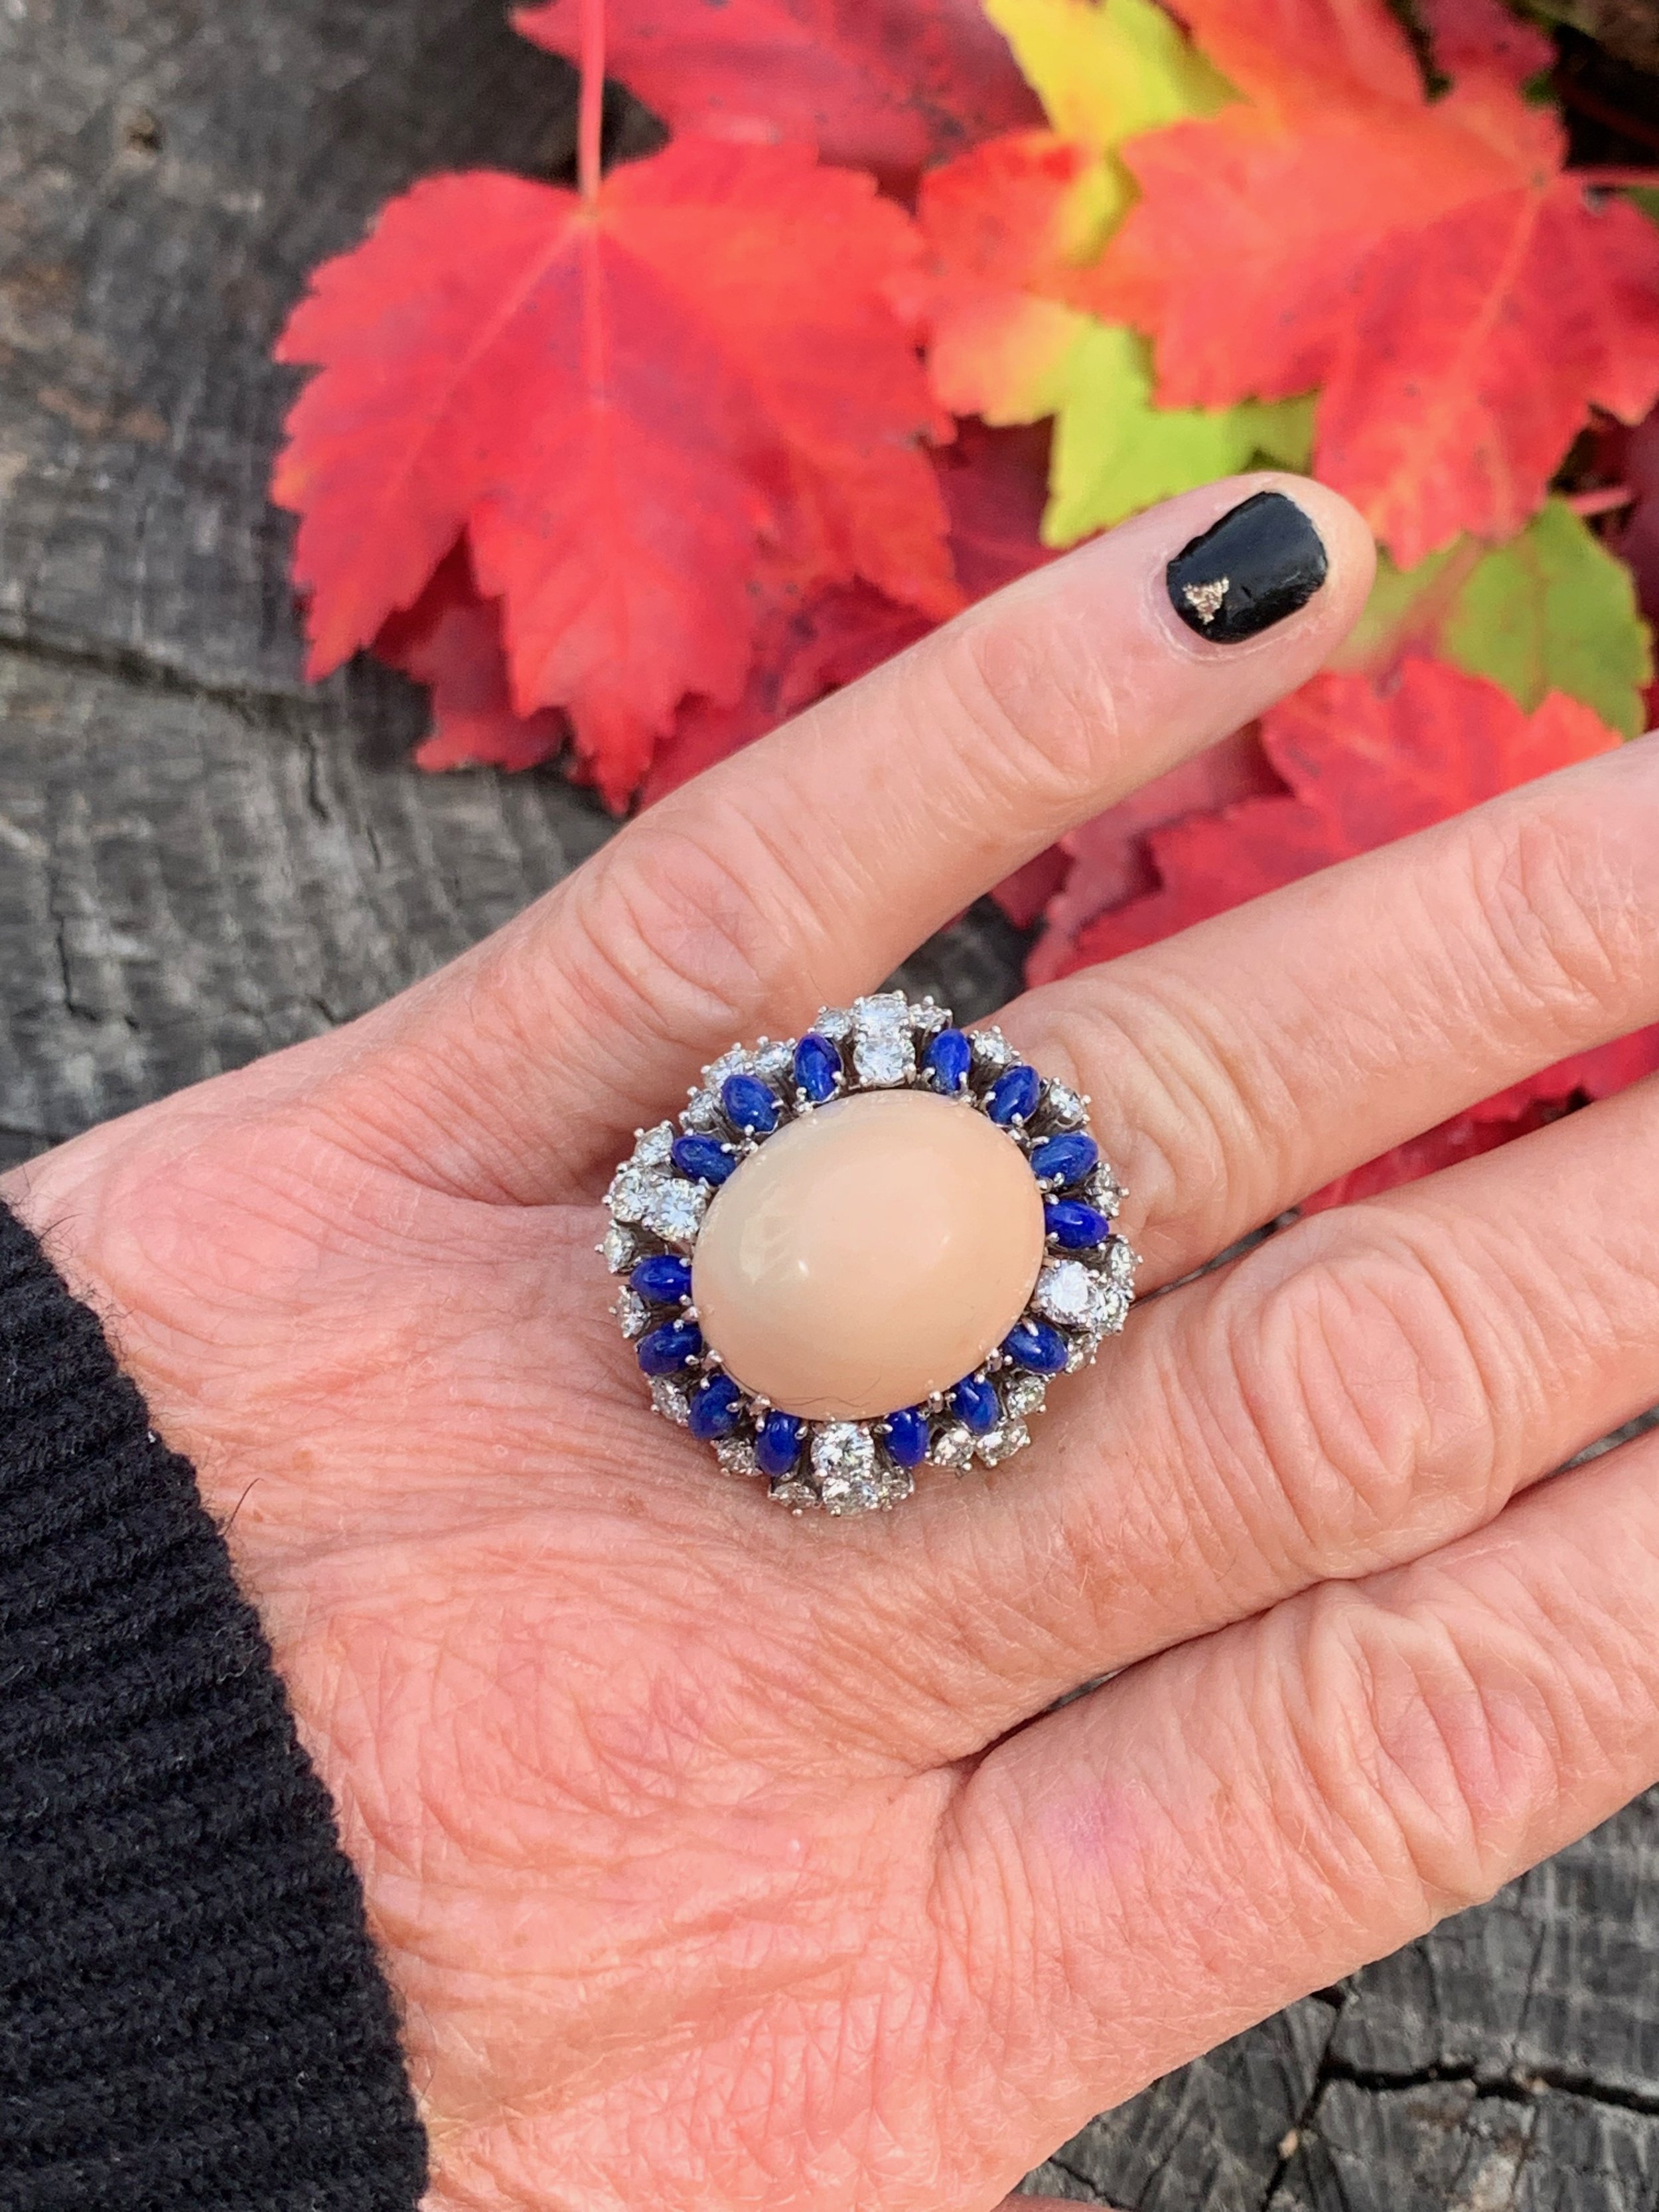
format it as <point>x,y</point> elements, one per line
<point>1462,302</point>
<point>451,640</point>
<point>1362,761</point>
<point>1632,455</point>
<point>1107,861</point>
<point>993,483</point>
<point>635,406</point>
<point>888,85</point>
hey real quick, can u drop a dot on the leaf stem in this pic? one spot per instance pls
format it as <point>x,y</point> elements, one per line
<point>590,114</point>
<point>1611,180</point>
<point>1637,128</point>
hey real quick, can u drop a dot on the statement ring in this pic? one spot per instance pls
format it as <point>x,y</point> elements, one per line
<point>865,1251</point>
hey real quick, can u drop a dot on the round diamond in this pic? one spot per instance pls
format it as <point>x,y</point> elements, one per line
<point>883,1062</point>
<point>1104,1191</point>
<point>833,1022</point>
<point>653,1146</point>
<point>671,1400</point>
<point>893,1484</point>
<point>1069,1293</point>
<point>1064,1107</point>
<point>844,1461</point>
<point>736,1455</point>
<point>954,1446</point>
<point>774,1063</point>
<point>1120,1267</point>
<point>881,1010</point>
<point>1003,1442</point>
<point>1114,1308</point>
<point>795,1493</point>
<point>673,1210</point>
<point>1024,1394</point>
<point>992,1052</point>
<point>630,1190</point>
<point>702,1114</point>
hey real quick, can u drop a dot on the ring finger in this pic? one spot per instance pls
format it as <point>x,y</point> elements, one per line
<point>1351,1395</point>
<point>1377,1379</point>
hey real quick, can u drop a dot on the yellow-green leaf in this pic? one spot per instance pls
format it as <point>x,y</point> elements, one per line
<point>1114,453</point>
<point>1551,610</point>
<point>1107,69</point>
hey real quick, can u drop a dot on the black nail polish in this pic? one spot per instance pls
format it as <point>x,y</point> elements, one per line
<point>1261,562</point>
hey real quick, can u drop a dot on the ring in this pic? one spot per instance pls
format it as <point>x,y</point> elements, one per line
<point>866,1250</point>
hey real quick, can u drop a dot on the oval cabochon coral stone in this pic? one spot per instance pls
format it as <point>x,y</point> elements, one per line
<point>868,1254</point>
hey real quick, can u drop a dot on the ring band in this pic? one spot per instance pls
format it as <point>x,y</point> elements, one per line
<point>816,1229</point>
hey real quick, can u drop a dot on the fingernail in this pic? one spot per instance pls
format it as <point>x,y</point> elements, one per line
<point>1261,562</point>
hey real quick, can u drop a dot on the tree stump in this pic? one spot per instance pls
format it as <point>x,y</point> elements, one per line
<point>201,860</point>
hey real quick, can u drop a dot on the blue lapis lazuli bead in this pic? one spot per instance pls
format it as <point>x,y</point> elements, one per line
<point>663,1280</point>
<point>716,1409</point>
<point>1014,1094</point>
<point>778,1445</point>
<point>817,1067</point>
<point>907,1436</point>
<point>948,1059</point>
<point>974,1402</point>
<point>1033,1344</point>
<point>705,1158</point>
<point>1074,1226</point>
<point>749,1104</point>
<point>664,1350</point>
<point>1065,1159</point>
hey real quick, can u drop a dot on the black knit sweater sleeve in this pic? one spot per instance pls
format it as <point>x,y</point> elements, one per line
<point>191,2012</point>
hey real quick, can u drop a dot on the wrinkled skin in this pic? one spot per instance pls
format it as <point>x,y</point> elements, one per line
<point>721,1858</point>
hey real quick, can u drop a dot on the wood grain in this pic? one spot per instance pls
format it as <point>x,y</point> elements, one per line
<point>200,861</point>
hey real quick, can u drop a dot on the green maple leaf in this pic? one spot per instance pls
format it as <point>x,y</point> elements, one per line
<point>1107,69</point>
<point>1550,610</point>
<point>1114,453</point>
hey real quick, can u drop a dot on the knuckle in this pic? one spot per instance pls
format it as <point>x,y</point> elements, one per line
<point>676,929</point>
<point>1429,1760</point>
<point>1041,718</point>
<point>1191,1128</point>
<point>1355,1403</point>
<point>1555,902</point>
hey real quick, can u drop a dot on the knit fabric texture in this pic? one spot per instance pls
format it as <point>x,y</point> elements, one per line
<point>191,2015</point>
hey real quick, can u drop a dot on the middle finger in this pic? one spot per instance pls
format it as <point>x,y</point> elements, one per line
<point>1247,1061</point>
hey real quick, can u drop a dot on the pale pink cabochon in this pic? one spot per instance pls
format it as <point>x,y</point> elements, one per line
<point>868,1254</point>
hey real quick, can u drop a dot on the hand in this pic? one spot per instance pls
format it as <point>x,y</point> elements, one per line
<point>718,1858</point>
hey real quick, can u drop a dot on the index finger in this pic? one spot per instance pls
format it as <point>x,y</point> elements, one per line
<point>800,873</point>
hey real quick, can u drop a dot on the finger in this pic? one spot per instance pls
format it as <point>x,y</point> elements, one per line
<point>1363,1388</point>
<point>1144,1874</point>
<point>1250,1060</point>
<point>800,873</point>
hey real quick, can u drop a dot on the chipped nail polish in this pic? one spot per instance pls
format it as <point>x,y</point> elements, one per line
<point>1262,560</point>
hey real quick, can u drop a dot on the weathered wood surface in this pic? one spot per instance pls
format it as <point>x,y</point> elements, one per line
<point>199,860</point>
